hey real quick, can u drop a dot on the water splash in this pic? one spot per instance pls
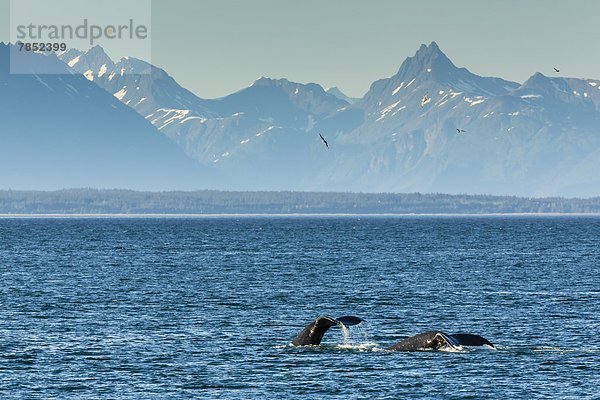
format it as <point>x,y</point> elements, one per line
<point>356,337</point>
<point>345,334</point>
<point>454,349</point>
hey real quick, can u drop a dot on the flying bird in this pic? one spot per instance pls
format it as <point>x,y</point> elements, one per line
<point>324,141</point>
<point>424,100</point>
<point>556,69</point>
<point>460,130</point>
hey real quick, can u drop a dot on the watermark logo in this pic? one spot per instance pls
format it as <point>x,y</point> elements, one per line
<point>86,31</point>
<point>71,27</point>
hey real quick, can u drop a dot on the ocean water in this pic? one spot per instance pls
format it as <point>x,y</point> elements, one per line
<point>205,308</point>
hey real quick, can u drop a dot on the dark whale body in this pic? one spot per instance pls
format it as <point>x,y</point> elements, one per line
<point>435,340</point>
<point>313,333</point>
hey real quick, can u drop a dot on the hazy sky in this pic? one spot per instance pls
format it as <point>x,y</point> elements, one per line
<point>215,47</point>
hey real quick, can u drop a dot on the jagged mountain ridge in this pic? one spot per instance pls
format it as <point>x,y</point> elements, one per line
<point>519,139</point>
<point>528,139</point>
<point>271,117</point>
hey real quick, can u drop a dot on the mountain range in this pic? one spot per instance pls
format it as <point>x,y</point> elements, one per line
<point>431,127</point>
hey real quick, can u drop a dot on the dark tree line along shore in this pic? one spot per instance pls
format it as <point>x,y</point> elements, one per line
<point>92,201</point>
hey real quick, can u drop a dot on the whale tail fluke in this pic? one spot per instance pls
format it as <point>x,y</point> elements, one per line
<point>313,333</point>
<point>349,320</point>
<point>468,339</point>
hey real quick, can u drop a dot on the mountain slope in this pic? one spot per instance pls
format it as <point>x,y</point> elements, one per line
<point>60,130</point>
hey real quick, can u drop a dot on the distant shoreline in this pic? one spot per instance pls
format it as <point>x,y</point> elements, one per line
<point>276,215</point>
<point>207,203</point>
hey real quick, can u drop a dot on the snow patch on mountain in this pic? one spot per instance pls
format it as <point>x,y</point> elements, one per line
<point>270,128</point>
<point>387,110</point>
<point>74,61</point>
<point>398,88</point>
<point>121,93</point>
<point>102,70</point>
<point>169,116</point>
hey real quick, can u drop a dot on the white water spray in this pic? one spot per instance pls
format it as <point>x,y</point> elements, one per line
<point>356,337</point>
<point>345,335</point>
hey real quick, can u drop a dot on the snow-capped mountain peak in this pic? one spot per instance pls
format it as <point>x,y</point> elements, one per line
<point>92,63</point>
<point>426,60</point>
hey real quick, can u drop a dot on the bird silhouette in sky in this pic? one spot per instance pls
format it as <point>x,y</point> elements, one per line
<point>324,141</point>
<point>460,130</point>
<point>556,69</point>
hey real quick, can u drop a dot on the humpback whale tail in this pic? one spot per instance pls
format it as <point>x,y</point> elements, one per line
<point>313,333</point>
<point>349,320</point>
<point>468,339</point>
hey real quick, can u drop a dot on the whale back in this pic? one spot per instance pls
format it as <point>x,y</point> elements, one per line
<point>426,340</point>
<point>437,339</point>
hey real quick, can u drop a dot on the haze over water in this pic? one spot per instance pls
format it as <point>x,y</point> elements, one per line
<point>205,308</point>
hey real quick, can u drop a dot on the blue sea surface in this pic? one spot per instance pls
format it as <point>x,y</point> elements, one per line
<point>206,308</point>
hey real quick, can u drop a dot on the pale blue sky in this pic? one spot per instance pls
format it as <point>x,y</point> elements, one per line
<point>215,47</point>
